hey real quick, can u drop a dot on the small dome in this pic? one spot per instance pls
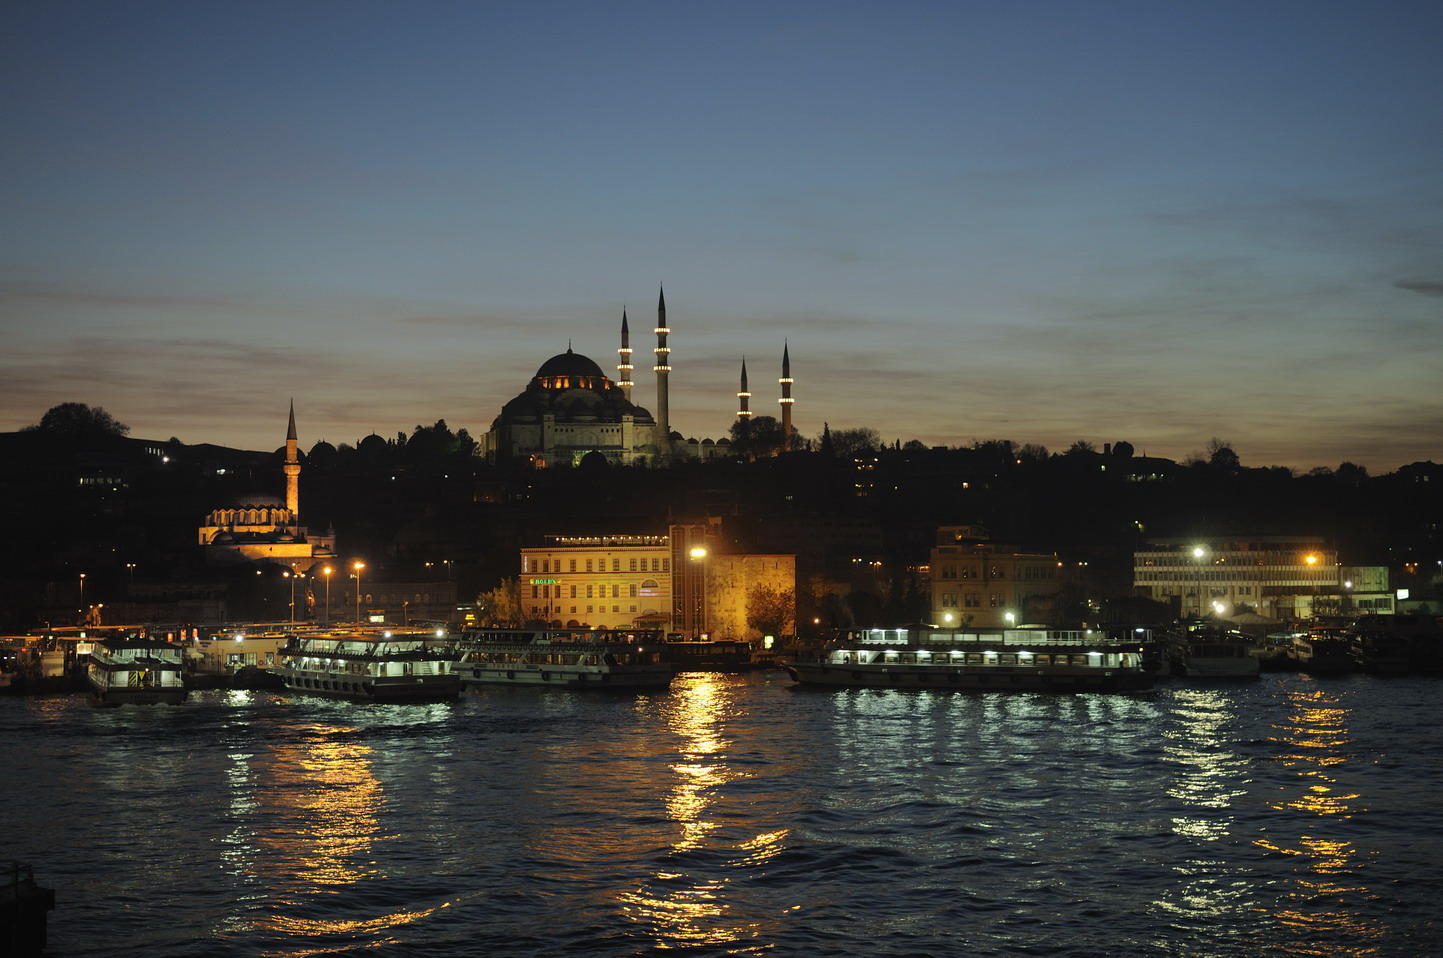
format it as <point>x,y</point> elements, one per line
<point>569,364</point>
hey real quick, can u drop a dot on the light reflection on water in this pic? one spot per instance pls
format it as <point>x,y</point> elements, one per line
<point>734,815</point>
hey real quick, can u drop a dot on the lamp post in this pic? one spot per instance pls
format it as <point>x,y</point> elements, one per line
<point>292,576</point>
<point>358,566</point>
<point>698,555</point>
<point>326,571</point>
<point>1197,553</point>
<point>82,597</point>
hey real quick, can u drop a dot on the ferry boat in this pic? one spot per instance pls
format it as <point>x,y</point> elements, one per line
<point>991,660</point>
<point>1323,651</point>
<point>136,671</point>
<point>600,659</point>
<point>1209,653</point>
<point>714,655</point>
<point>380,666</point>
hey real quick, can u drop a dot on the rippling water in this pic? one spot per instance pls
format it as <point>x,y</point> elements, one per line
<point>738,815</point>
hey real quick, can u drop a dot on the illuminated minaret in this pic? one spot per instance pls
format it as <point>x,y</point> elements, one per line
<point>744,412</point>
<point>623,369</point>
<point>786,382</point>
<point>292,469</point>
<point>663,357</point>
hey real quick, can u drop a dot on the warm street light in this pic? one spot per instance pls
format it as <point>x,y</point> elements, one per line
<point>326,571</point>
<point>698,554</point>
<point>1198,552</point>
<point>358,566</point>
<point>82,593</point>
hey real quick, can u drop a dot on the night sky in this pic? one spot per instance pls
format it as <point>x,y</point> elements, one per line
<point>1046,222</point>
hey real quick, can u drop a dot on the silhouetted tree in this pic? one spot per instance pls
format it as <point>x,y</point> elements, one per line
<point>771,611</point>
<point>78,419</point>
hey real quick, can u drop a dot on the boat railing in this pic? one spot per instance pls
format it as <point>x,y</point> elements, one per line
<point>1093,638</point>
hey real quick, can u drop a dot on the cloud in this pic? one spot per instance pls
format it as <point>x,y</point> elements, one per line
<point>1428,287</point>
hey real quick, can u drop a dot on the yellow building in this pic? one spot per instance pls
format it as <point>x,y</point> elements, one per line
<point>976,583</point>
<point>605,582</point>
<point>678,582</point>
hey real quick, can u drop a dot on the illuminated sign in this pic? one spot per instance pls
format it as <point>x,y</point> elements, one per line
<point>543,581</point>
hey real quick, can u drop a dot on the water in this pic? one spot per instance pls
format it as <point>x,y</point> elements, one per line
<point>738,815</point>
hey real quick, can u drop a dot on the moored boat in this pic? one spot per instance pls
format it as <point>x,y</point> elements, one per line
<point>381,666</point>
<point>572,658</point>
<point>1323,651</point>
<point>136,671</point>
<point>1210,653</point>
<point>715,655</point>
<point>993,660</point>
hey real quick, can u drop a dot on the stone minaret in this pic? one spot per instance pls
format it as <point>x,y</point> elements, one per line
<point>786,382</point>
<point>623,369</point>
<point>292,469</point>
<point>744,412</point>
<point>663,358</point>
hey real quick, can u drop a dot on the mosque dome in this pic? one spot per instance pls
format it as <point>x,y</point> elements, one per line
<point>571,365</point>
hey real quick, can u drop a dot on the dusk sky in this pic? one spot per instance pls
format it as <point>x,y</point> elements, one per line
<point>1040,221</point>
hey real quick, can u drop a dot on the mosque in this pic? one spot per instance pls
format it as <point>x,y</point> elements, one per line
<point>263,527</point>
<point>571,410</point>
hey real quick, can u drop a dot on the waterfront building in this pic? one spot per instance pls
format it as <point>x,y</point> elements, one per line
<point>681,582</point>
<point>605,582</point>
<point>976,583</point>
<point>1278,577</point>
<point>264,527</point>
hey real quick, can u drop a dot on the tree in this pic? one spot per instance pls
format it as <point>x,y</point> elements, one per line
<point>771,611</point>
<point>78,419</point>
<point>853,442</point>
<point>1221,456</point>
<point>757,437</point>
<point>500,608</point>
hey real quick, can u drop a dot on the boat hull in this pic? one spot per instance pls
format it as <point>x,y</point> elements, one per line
<point>560,676</point>
<point>964,678</point>
<point>364,688</point>
<point>125,695</point>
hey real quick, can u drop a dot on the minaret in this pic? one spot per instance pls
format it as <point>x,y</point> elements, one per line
<point>663,357</point>
<point>743,397</point>
<point>292,469</point>
<point>786,382</point>
<point>623,368</point>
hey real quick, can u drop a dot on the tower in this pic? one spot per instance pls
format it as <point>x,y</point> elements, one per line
<point>786,383</point>
<point>623,368</point>
<point>292,469</point>
<point>663,357</point>
<point>743,397</point>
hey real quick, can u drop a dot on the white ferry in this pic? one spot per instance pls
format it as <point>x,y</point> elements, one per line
<point>992,660</point>
<point>136,671</point>
<point>599,659</point>
<point>380,666</point>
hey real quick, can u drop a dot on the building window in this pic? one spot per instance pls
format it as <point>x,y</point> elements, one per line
<point>573,595</point>
<point>632,587</point>
<point>590,590</point>
<point>615,565</point>
<point>588,565</point>
<point>633,564</point>
<point>573,566</point>
<point>616,594</point>
<point>534,592</point>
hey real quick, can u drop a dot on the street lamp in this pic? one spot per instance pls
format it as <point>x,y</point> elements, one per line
<point>326,571</point>
<point>698,554</point>
<point>358,566</point>
<point>82,593</point>
<point>290,575</point>
<point>1197,553</point>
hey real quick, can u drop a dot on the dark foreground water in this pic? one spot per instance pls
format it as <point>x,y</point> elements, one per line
<point>736,815</point>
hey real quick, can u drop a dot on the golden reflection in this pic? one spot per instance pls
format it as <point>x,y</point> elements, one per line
<point>324,804</point>
<point>688,912</point>
<point>1312,741</point>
